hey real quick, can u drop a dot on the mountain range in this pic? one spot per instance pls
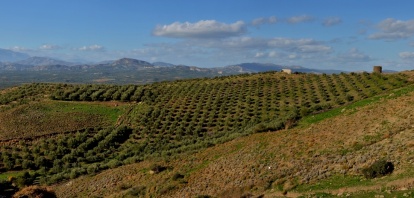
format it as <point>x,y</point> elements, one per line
<point>44,64</point>
<point>18,68</point>
<point>11,56</point>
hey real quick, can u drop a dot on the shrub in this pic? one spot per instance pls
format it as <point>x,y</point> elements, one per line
<point>92,169</point>
<point>35,191</point>
<point>203,196</point>
<point>24,180</point>
<point>156,168</point>
<point>177,176</point>
<point>137,191</point>
<point>378,169</point>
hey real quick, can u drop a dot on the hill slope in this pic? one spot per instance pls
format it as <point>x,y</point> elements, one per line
<point>172,121</point>
<point>327,156</point>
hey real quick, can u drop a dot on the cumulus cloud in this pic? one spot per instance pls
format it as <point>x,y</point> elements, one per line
<point>300,45</point>
<point>300,19</point>
<point>392,29</point>
<point>92,48</point>
<point>354,55</point>
<point>331,21</point>
<point>200,29</point>
<point>262,20</point>
<point>406,55</point>
<point>240,43</point>
<point>314,48</point>
<point>270,54</point>
<point>49,47</point>
<point>261,44</point>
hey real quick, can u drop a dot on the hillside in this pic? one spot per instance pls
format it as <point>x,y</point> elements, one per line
<point>192,131</point>
<point>324,156</point>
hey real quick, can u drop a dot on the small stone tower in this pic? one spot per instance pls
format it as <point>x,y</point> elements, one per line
<point>377,69</point>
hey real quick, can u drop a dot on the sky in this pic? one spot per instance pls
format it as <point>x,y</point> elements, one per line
<point>349,35</point>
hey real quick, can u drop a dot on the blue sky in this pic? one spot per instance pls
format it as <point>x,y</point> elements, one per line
<point>326,34</point>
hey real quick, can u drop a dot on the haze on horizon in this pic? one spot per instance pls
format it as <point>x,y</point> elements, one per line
<point>345,35</point>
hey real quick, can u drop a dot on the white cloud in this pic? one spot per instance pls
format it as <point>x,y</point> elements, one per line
<point>92,48</point>
<point>49,47</point>
<point>288,43</point>
<point>261,44</point>
<point>392,29</point>
<point>331,21</point>
<point>260,54</point>
<point>271,54</point>
<point>19,49</point>
<point>300,19</point>
<point>406,55</point>
<point>262,20</point>
<point>300,45</point>
<point>314,48</point>
<point>354,55</point>
<point>200,29</point>
<point>274,54</point>
<point>293,56</point>
<point>239,43</point>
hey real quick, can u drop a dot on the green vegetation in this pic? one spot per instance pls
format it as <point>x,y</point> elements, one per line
<point>165,119</point>
<point>378,169</point>
<point>334,182</point>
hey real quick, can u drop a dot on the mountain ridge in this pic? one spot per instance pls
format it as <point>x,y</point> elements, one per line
<point>44,63</point>
<point>11,56</point>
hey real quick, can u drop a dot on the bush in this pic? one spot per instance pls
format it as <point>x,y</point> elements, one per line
<point>138,191</point>
<point>378,169</point>
<point>35,191</point>
<point>156,168</point>
<point>177,176</point>
<point>93,168</point>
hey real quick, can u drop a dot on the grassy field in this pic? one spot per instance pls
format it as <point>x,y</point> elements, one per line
<point>42,118</point>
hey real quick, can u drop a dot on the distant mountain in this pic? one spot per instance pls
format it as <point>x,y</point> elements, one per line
<point>43,61</point>
<point>163,64</point>
<point>258,67</point>
<point>11,56</point>
<point>129,62</point>
<point>263,67</point>
<point>106,62</point>
<point>125,71</point>
<point>14,67</point>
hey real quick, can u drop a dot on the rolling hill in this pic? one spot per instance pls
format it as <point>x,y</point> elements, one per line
<point>250,134</point>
